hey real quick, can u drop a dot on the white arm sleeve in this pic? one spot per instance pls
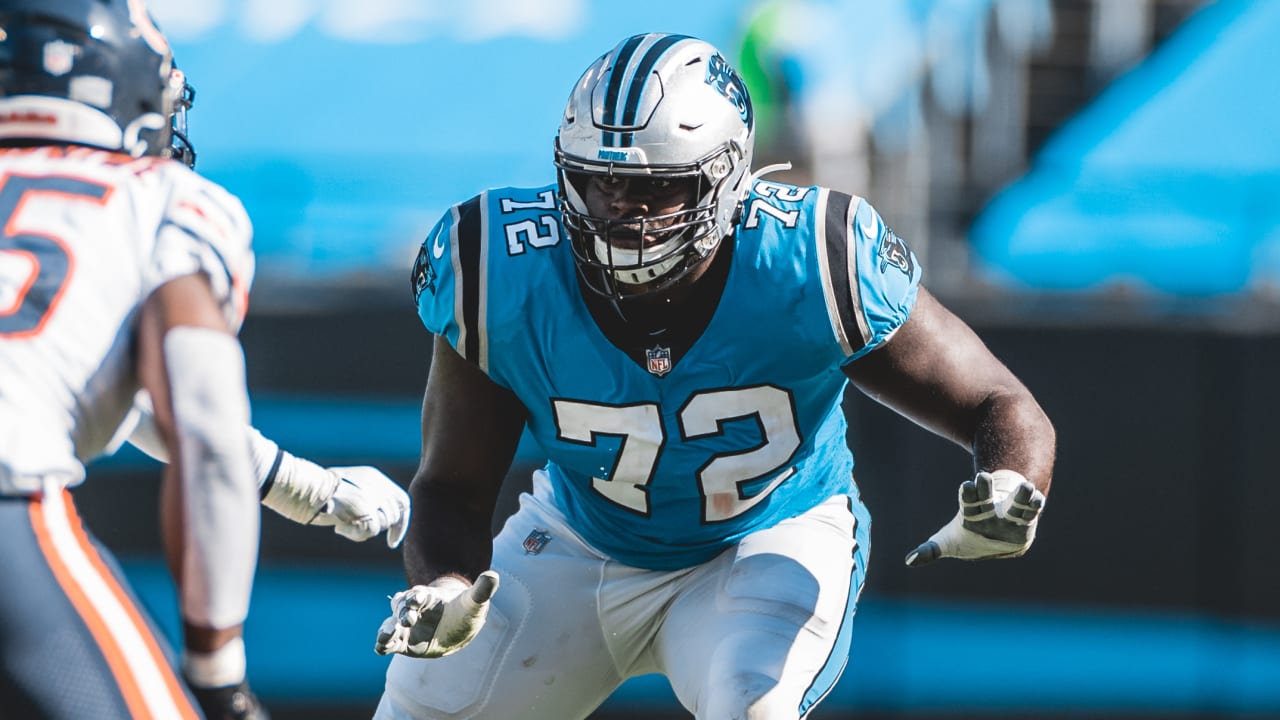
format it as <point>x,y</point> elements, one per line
<point>219,495</point>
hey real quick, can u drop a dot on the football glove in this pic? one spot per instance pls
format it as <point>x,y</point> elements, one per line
<point>997,519</point>
<point>437,619</point>
<point>365,503</point>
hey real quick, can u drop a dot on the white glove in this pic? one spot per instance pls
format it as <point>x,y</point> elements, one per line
<point>437,619</point>
<point>366,503</point>
<point>997,519</point>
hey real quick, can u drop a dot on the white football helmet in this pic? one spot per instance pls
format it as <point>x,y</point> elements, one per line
<point>656,106</point>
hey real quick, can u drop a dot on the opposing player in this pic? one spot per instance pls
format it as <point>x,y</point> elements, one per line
<point>121,270</point>
<point>678,335</point>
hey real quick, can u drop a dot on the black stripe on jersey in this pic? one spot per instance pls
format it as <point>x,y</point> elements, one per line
<point>641,77</point>
<point>469,264</point>
<point>837,260</point>
<point>843,274</point>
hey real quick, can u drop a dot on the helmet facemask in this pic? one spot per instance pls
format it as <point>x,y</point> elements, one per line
<point>180,145</point>
<point>622,256</point>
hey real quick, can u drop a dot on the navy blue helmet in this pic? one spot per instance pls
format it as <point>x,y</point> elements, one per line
<point>90,72</point>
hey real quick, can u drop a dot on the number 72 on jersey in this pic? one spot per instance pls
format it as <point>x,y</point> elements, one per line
<point>723,479</point>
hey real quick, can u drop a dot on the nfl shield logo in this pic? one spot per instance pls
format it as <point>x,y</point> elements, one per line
<point>659,360</point>
<point>536,541</point>
<point>59,56</point>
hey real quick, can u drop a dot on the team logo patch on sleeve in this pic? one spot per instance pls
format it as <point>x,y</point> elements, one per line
<point>536,541</point>
<point>893,251</point>
<point>424,276</point>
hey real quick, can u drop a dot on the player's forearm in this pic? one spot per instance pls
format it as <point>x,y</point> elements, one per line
<point>448,535</point>
<point>1013,432</point>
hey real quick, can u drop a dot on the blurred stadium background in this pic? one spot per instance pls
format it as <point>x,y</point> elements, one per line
<point>1093,184</point>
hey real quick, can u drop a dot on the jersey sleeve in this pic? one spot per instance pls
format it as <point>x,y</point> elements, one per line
<point>205,229</point>
<point>874,276</point>
<point>446,278</point>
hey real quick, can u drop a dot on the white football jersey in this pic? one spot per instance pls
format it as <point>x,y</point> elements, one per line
<point>87,236</point>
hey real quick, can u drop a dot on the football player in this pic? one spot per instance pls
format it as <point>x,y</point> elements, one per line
<point>123,278</point>
<point>677,334</point>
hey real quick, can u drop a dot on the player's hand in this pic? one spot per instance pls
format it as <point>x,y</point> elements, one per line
<point>366,503</point>
<point>997,519</point>
<point>230,702</point>
<point>438,619</point>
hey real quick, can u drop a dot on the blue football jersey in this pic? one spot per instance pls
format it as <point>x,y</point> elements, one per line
<point>663,460</point>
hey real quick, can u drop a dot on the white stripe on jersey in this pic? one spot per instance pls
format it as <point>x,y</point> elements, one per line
<point>855,285</point>
<point>482,281</point>
<point>459,279</point>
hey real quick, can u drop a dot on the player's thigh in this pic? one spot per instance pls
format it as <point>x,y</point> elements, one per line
<point>766,632</point>
<point>74,642</point>
<point>541,654</point>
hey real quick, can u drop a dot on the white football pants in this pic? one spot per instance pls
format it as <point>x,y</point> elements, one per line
<point>760,631</point>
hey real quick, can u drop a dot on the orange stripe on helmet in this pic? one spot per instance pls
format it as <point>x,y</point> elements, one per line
<point>142,19</point>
